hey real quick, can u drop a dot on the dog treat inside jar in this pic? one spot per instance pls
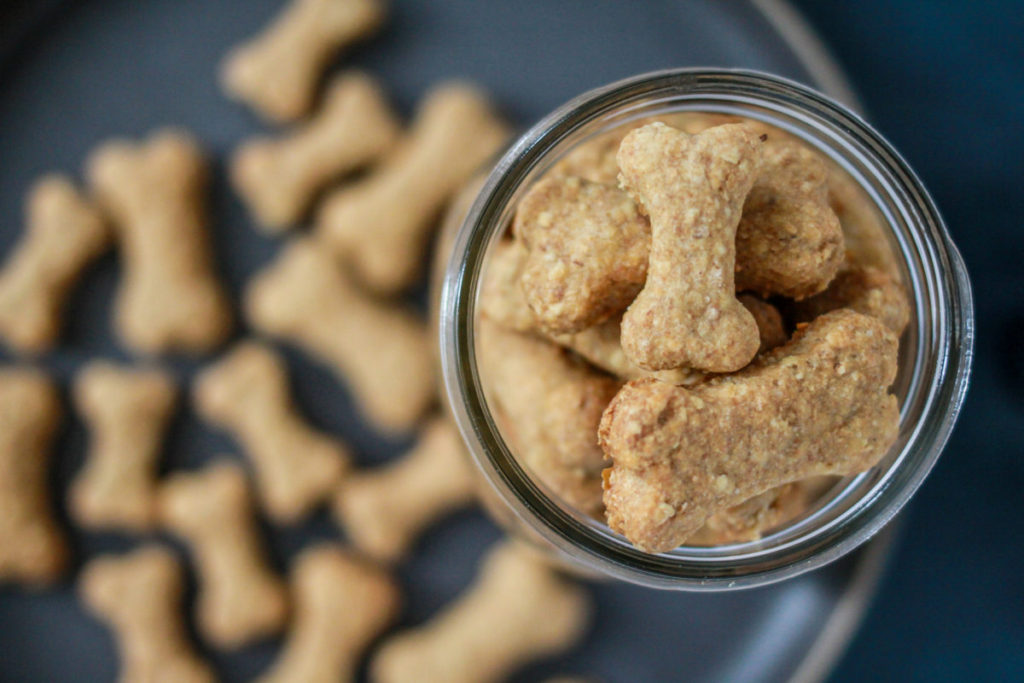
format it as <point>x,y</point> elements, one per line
<point>695,333</point>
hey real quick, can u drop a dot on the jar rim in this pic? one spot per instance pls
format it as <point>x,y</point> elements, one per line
<point>937,388</point>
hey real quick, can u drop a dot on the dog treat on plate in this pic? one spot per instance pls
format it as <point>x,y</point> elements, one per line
<point>341,605</point>
<point>138,595</point>
<point>789,241</point>
<point>279,177</point>
<point>64,233</point>
<point>383,510</point>
<point>33,549</point>
<point>693,188</point>
<point>380,225</point>
<point>277,72</point>
<point>240,598</point>
<point>127,411</point>
<point>865,289</point>
<point>170,297</point>
<point>518,610</point>
<point>379,350</point>
<point>548,406</point>
<point>817,406</point>
<point>296,465</point>
<point>587,246</point>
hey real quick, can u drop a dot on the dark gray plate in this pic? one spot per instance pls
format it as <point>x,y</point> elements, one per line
<point>74,73</point>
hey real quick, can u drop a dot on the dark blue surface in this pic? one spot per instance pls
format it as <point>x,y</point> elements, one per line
<point>944,81</point>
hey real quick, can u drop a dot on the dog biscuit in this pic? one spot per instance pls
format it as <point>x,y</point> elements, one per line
<point>138,595</point>
<point>127,411</point>
<point>865,289</point>
<point>817,406</point>
<point>517,610</point>
<point>277,72</point>
<point>240,598</point>
<point>247,394</point>
<point>381,224</point>
<point>341,605</point>
<point>170,298</point>
<point>33,549</point>
<point>279,177</point>
<point>384,510</point>
<point>380,351</point>
<point>64,233</point>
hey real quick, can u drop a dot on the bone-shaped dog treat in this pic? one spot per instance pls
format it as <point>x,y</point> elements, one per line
<point>169,298</point>
<point>379,350</point>
<point>278,178</point>
<point>516,611</point>
<point>127,411</point>
<point>32,547</point>
<point>341,605</point>
<point>296,465</point>
<point>63,234</point>
<point>380,225</point>
<point>817,406</point>
<point>867,237</point>
<point>138,595</point>
<point>693,188</point>
<point>865,289</point>
<point>383,510</point>
<point>789,241</point>
<point>277,72</point>
<point>587,246</point>
<point>548,406</point>
<point>240,598</point>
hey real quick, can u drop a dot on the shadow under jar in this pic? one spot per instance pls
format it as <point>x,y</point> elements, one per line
<point>908,237</point>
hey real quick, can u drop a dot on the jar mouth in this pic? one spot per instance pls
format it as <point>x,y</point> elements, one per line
<point>935,351</point>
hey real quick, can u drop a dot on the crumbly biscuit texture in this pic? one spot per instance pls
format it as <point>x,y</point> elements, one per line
<point>296,465</point>
<point>789,241</point>
<point>127,411</point>
<point>169,298</point>
<point>279,177</point>
<point>587,246</point>
<point>64,233</point>
<point>341,604</point>
<point>383,510</point>
<point>817,406</point>
<point>33,549</point>
<point>240,598</point>
<point>381,224</point>
<point>138,596</point>
<point>277,72</point>
<point>865,289</point>
<point>379,350</point>
<point>693,188</point>
<point>517,610</point>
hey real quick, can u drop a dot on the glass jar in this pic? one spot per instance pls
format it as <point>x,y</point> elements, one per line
<point>935,350</point>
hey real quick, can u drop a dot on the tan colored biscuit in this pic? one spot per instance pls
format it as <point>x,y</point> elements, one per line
<point>138,596</point>
<point>771,330</point>
<point>296,465</point>
<point>127,411</point>
<point>341,605</point>
<point>865,289</point>
<point>548,406</point>
<point>817,406</point>
<point>170,297</point>
<point>516,611</point>
<point>868,241</point>
<point>383,510</point>
<point>380,225</point>
<point>240,598</point>
<point>380,351</point>
<point>693,188</point>
<point>587,247</point>
<point>789,241</point>
<point>33,549</point>
<point>279,177</point>
<point>277,72</point>
<point>63,234</point>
